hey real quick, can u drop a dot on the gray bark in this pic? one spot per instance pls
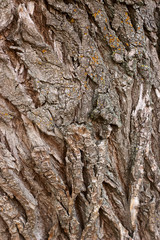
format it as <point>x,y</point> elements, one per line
<point>79,119</point>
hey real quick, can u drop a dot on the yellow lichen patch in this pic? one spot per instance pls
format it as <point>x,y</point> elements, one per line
<point>72,20</point>
<point>127,19</point>
<point>111,40</point>
<point>85,73</point>
<point>96,13</point>
<point>104,28</point>
<point>95,59</point>
<point>44,50</point>
<point>85,85</point>
<point>74,10</point>
<point>127,44</point>
<point>101,78</point>
<point>51,119</point>
<point>106,20</point>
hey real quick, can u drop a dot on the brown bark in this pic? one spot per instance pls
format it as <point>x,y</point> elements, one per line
<point>79,119</point>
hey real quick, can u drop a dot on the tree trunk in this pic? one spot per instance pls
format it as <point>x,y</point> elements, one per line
<point>79,119</point>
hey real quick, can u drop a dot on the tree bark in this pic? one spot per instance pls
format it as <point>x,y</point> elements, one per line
<point>79,119</point>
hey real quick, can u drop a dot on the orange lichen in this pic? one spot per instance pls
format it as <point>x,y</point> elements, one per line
<point>95,59</point>
<point>96,14</point>
<point>44,50</point>
<point>127,19</point>
<point>72,20</point>
<point>111,40</point>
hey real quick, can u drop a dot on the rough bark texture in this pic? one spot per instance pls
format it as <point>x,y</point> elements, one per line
<point>79,119</point>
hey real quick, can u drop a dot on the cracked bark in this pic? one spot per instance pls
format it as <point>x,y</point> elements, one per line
<point>79,119</point>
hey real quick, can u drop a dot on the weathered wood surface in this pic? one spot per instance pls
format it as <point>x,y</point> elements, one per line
<point>79,120</point>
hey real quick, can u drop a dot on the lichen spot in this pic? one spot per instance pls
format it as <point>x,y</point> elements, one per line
<point>44,51</point>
